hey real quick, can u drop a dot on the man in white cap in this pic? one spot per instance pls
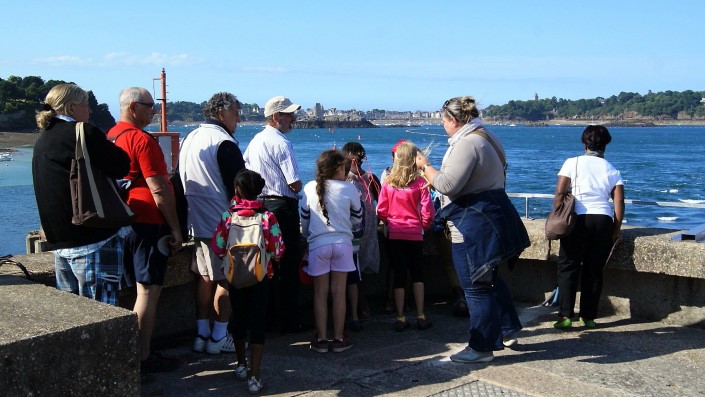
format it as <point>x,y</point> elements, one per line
<point>272,156</point>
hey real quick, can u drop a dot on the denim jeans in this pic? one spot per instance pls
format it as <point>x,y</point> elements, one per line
<point>492,312</point>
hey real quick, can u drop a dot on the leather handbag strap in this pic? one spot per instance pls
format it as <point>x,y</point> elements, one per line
<point>481,132</point>
<point>79,140</point>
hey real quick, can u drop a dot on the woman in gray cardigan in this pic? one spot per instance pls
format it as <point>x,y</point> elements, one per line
<point>486,230</point>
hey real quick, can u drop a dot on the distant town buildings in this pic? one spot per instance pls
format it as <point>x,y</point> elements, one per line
<point>335,114</point>
<point>318,112</point>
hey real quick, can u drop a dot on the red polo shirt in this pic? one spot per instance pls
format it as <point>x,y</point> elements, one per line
<point>146,160</point>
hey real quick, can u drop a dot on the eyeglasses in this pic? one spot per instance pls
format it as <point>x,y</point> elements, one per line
<point>147,104</point>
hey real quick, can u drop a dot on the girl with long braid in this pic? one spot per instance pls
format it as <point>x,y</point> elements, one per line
<point>331,216</point>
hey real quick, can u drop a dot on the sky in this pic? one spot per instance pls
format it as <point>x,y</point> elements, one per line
<point>394,55</point>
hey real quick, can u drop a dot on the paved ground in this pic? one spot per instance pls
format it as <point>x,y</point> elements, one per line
<point>623,357</point>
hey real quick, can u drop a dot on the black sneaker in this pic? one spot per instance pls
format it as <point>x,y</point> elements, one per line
<point>423,324</point>
<point>157,363</point>
<point>401,326</point>
<point>341,345</point>
<point>319,345</point>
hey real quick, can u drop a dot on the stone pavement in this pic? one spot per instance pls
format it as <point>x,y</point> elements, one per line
<point>622,357</point>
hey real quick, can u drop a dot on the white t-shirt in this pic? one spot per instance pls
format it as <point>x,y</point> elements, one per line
<point>344,211</point>
<point>592,187</point>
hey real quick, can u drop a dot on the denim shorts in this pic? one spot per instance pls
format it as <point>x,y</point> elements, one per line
<point>93,271</point>
<point>144,263</point>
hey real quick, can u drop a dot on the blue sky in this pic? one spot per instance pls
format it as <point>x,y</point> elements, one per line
<point>395,55</point>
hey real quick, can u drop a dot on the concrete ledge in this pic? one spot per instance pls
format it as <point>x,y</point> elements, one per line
<point>646,250</point>
<point>55,343</point>
<point>649,276</point>
<point>177,311</point>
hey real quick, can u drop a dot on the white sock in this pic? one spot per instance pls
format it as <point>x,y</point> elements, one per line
<point>219,330</point>
<point>204,327</point>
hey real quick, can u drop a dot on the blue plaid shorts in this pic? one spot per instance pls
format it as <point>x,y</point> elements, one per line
<point>93,270</point>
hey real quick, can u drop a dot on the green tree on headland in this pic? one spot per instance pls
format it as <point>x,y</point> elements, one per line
<point>667,105</point>
<point>20,97</point>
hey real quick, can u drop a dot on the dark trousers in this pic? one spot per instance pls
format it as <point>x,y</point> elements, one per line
<point>586,248</point>
<point>406,256</point>
<point>250,311</point>
<point>284,289</point>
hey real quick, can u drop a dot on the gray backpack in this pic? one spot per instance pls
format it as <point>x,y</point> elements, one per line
<point>246,251</point>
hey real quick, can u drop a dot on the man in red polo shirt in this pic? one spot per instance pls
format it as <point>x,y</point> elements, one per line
<point>151,198</point>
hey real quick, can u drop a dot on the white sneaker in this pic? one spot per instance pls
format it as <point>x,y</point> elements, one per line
<point>224,345</point>
<point>509,341</point>
<point>199,344</point>
<point>241,372</point>
<point>468,355</point>
<point>254,385</point>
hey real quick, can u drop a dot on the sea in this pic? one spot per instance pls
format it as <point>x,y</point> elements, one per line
<point>658,164</point>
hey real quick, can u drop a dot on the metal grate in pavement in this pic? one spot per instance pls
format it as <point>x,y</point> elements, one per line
<point>479,388</point>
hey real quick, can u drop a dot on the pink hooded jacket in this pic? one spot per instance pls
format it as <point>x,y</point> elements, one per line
<point>407,212</point>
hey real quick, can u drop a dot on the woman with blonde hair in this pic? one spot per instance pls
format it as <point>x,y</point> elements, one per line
<point>486,230</point>
<point>406,209</point>
<point>87,261</point>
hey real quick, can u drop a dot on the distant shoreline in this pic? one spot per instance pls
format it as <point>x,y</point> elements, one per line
<point>627,122</point>
<point>9,140</point>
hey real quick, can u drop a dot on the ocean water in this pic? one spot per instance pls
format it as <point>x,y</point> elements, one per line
<point>657,164</point>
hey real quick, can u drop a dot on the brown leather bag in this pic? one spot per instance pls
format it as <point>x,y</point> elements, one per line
<point>95,199</point>
<point>561,220</point>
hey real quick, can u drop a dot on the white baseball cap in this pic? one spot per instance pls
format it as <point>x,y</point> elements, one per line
<point>280,104</point>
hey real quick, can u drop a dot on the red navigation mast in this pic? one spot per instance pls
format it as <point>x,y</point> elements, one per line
<point>164,123</point>
<point>171,148</point>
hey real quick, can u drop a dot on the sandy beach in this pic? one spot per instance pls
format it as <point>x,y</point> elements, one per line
<point>10,140</point>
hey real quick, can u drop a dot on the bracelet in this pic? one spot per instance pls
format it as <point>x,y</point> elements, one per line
<point>425,166</point>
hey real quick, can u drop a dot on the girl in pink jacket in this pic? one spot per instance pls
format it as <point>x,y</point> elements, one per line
<point>406,209</point>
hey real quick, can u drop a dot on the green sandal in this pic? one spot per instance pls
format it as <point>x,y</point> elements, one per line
<point>588,323</point>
